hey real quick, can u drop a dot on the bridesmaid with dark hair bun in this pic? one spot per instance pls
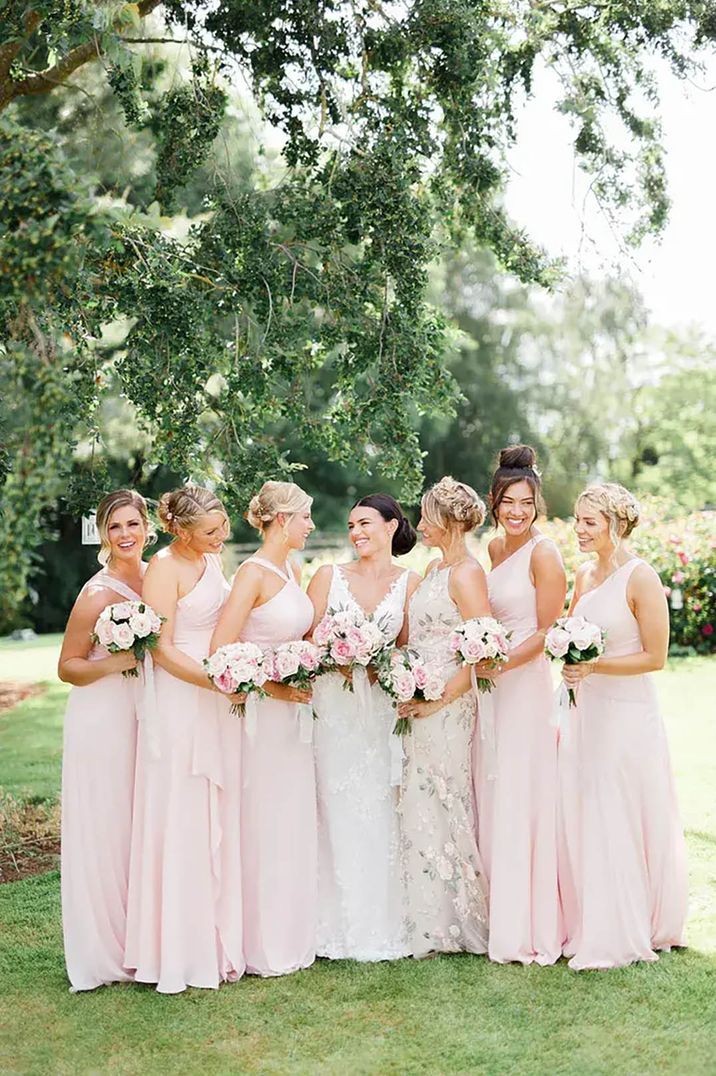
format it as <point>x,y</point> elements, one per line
<point>360,905</point>
<point>515,749</point>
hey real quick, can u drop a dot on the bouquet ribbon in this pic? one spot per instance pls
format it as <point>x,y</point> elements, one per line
<point>488,732</point>
<point>361,688</point>
<point>560,714</point>
<point>251,714</point>
<point>146,706</point>
<point>397,755</point>
<point>305,722</point>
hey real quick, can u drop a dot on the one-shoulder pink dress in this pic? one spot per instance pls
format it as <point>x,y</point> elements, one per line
<point>100,739</point>
<point>622,862</point>
<point>517,804</point>
<point>184,925</point>
<point>278,806</point>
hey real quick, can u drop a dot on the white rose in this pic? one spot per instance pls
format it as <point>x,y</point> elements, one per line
<point>122,636</point>
<point>141,624</point>
<point>123,610</point>
<point>287,664</point>
<point>104,631</point>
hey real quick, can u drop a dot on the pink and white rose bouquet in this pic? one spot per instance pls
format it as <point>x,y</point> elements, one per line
<point>482,638</point>
<point>349,638</point>
<point>573,639</point>
<point>128,625</point>
<point>238,668</point>
<point>405,675</point>
<point>295,663</point>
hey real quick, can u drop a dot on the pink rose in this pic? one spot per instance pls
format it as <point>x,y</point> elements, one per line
<point>141,625</point>
<point>558,642</point>
<point>225,682</point>
<point>420,675</point>
<point>324,631</point>
<point>404,685</point>
<point>342,652</point>
<point>287,664</point>
<point>104,630</point>
<point>434,687</point>
<point>707,629</point>
<point>678,578</point>
<point>473,650</point>
<point>683,557</point>
<point>122,636</point>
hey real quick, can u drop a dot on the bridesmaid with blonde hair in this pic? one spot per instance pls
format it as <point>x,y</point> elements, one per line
<point>278,798</point>
<point>622,865</point>
<point>445,890</point>
<point>516,773</point>
<point>100,737</point>
<point>184,922</point>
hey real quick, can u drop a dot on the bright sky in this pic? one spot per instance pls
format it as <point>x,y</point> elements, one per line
<point>678,276</point>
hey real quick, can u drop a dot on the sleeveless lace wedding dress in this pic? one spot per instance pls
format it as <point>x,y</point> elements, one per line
<point>360,905</point>
<point>442,871</point>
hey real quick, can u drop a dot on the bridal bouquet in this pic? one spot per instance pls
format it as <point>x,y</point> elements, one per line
<point>405,675</point>
<point>482,638</point>
<point>573,639</point>
<point>349,638</point>
<point>238,668</point>
<point>128,626</point>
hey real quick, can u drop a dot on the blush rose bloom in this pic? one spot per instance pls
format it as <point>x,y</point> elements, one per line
<point>141,624</point>
<point>122,636</point>
<point>104,631</point>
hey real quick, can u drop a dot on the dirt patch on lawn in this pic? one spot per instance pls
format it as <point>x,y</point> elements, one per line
<point>14,691</point>
<point>29,838</point>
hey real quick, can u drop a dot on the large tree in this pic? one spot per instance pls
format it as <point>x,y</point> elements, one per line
<point>297,304</point>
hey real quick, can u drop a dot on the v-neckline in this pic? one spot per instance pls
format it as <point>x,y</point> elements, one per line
<point>382,601</point>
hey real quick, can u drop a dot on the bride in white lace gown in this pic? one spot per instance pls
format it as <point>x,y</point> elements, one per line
<point>360,902</point>
<point>442,872</point>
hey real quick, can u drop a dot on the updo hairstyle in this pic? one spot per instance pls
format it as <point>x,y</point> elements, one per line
<point>516,463</point>
<point>450,504</point>
<point>405,536</point>
<point>181,509</point>
<point>620,508</point>
<point>275,497</point>
<point>121,498</point>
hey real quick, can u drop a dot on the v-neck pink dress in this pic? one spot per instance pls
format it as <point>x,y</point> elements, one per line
<point>622,862</point>
<point>100,740</point>
<point>517,805</point>
<point>184,925</point>
<point>278,805</point>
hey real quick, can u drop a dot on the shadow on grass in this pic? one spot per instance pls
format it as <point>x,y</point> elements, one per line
<point>454,1014</point>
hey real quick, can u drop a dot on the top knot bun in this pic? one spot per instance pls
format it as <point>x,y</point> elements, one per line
<point>449,503</point>
<point>518,458</point>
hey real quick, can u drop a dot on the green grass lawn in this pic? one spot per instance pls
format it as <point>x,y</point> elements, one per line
<point>455,1014</point>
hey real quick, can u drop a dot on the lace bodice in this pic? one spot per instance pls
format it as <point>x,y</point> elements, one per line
<point>433,616</point>
<point>389,612</point>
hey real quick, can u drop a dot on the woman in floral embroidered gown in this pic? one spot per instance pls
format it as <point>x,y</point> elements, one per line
<point>442,872</point>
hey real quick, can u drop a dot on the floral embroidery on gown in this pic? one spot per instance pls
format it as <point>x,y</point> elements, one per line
<point>359,884</point>
<point>442,871</point>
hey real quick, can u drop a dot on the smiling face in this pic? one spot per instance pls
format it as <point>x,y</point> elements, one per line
<point>516,511</point>
<point>296,527</point>
<point>369,532</point>
<point>126,534</point>
<point>430,533</point>
<point>208,533</point>
<point>592,529</point>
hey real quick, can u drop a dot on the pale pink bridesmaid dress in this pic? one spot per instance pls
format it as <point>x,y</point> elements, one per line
<point>184,925</point>
<point>278,806</point>
<point>622,862</point>
<point>100,738</point>
<point>517,803</point>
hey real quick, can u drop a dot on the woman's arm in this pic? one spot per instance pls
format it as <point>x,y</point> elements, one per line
<point>647,600</point>
<point>413,583</point>
<point>318,590</point>
<point>74,666</point>
<point>550,581</point>
<point>161,591</point>
<point>468,589</point>
<point>245,594</point>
